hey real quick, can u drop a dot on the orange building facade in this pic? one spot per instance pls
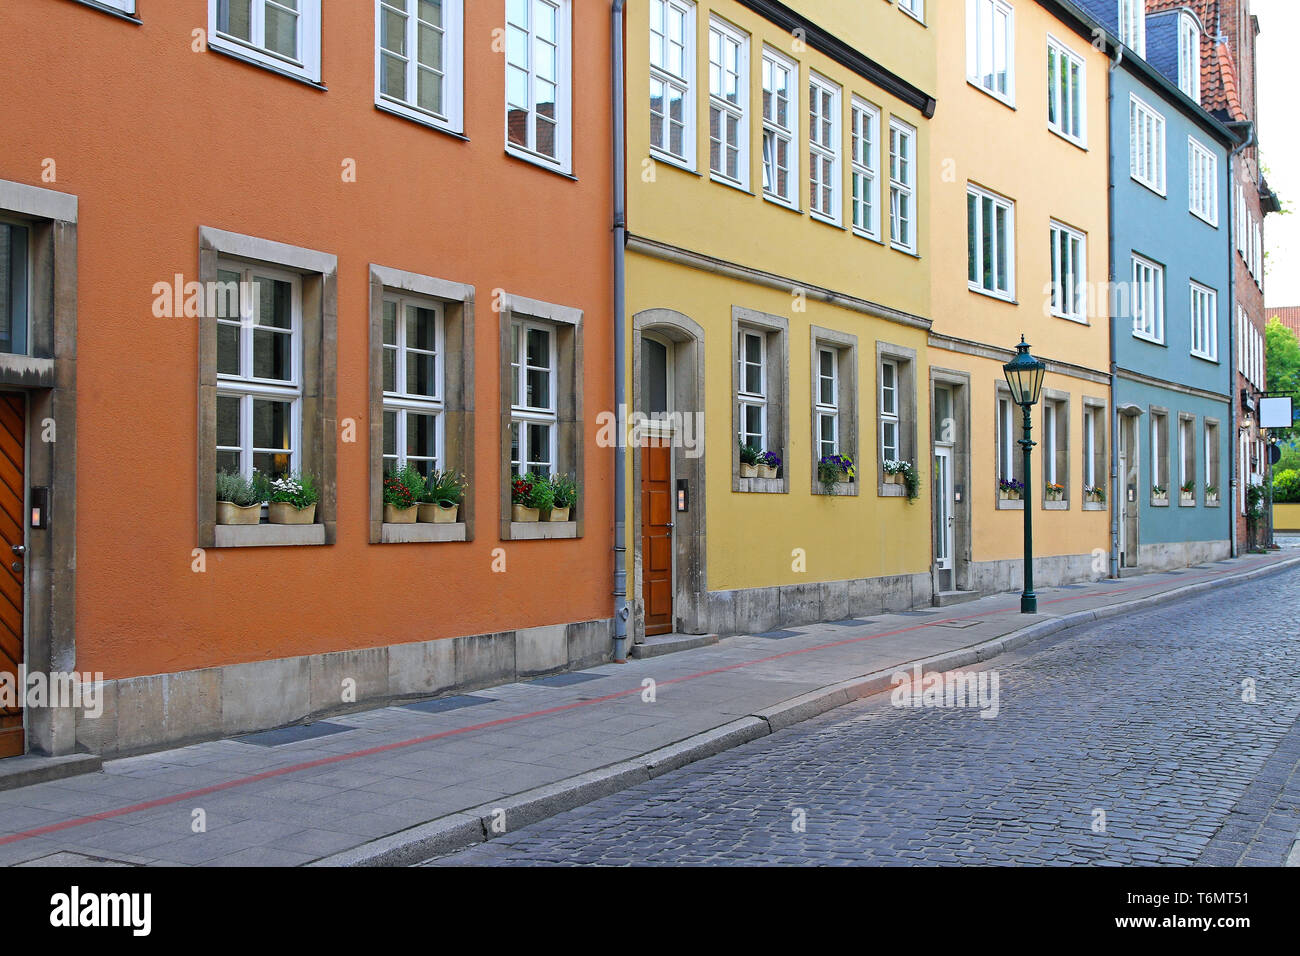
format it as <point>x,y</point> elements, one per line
<point>328,237</point>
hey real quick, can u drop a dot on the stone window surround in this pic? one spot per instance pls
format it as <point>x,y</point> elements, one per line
<point>776,330</point>
<point>845,345</point>
<point>1185,417</point>
<point>1207,424</point>
<point>1062,448</point>
<point>1017,454</point>
<point>1101,468</point>
<point>319,272</point>
<point>48,376</point>
<point>457,299</point>
<point>905,387</point>
<point>1161,412</point>
<point>570,445</point>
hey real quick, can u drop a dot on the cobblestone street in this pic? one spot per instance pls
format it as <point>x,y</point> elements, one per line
<point>1141,719</point>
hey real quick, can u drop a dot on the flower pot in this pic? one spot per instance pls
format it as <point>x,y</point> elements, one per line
<point>1189,498</point>
<point>748,471</point>
<point>230,513</point>
<point>1211,499</point>
<point>1161,497</point>
<point>558,514</point>
<point>520,513</point>
<point>893,478</point>
<point>396,515</point>
<point>282,512</point>
<point>435,512</point>
<point>766,471</point>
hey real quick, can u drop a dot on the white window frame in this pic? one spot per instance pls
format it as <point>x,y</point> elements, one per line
<point>1059,88</point>
<point>563,158</point>
<point>403,402</point>
<point>1089,446</point>
<point>820,152</point>
<point>1189,55</point>
<point>913,8</point>
<point>1076,310</point>
<point>890,412</point>
<point>453,72</point>
<point>1186,444</point>
<point>1051,441</point>
<point>306,65</point>
<point>902,187</point>
<point>1159,455</point>
<point>773,131</point>
<point>981,16</point>
<point>247,387</point>
<point>983,196</point>
<point>747,399</point>
<point>737,111</point>
<point>828,410</point>
<point>1006,437</point>
<point>1152,325</point>
<point>522,415</point>
<point>117,6</point>
<point>1202,182</point>
<point>1146,142</point>
<point>864,156</point>
<point>1133,25</point>
<point>1204,319</point>
<point>684,82</point>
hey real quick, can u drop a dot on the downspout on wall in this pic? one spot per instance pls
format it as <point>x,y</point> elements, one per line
<point>1114,365</point>
<point>1235,443</point>
<point>621,610</point>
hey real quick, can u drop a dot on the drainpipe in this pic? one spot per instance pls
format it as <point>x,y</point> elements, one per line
<point>1235,446</point>
<point>1114,364</point>
<point>621,610</point>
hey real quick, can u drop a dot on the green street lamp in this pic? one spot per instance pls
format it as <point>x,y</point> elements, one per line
<point>1025,379</point>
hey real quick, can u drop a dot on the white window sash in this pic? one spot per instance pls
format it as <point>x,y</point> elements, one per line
<point>822,154</point>
<point>453,44</point>
<point>902,185</point>
<point>736,111</point>
<point>563,90</point>
<point>774,131</point>
<point>865,157</point>
<point>306,64</point>
<point>683,82</point>
<point>1070,78</point>
<point>1001,256</point>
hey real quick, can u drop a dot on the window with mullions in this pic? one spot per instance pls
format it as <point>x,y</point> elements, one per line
<point>1148,300</point>
<point>990,47</point>
<point>828,402</point>
<point>414,426</point>
<point>259,386</point>
<point>1069,273</point>
<point>533,411</point>
<point>538,80</point>
<point>866,166</point>
<point>990,238</point>
<point>1203,182</point>
<point>1066,92</point>
<point>1133,25</point>
<point>890,447</point>
<point>751,351</point>
<point>728,86</point>
<point>902,185</point>
<point>672,75</point>
<point>1146,145</point>
<point>824,149</point>
<point>281,34</point>
<point>780,105</point>
<point>15,242</point>
<point>419,71</point>
<point>1205,309</point>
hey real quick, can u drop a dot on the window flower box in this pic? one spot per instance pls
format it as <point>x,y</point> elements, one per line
<point>402,491</point>
<point>522,513</point>
<point>292,499</point>
<point>749,456</point>
<point>1211,495</point>
<point>230,513</point>
<point>1010,489</point>
<point>530,495</point>
<point>239,499</point>
<point>564,495</point>
<point>1054,492</point>
<point>443,493</point>
<point>833,470</point>
<point>1160,494</point>
<point>769,463</point>
<point>435,512</point>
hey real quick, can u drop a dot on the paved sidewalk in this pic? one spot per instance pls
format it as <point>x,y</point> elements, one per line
<point>398,784</point>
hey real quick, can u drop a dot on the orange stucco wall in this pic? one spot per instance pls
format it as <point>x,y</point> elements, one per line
<point>155,140</point>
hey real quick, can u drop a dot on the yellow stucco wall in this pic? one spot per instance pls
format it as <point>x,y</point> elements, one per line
<point>978,139</point>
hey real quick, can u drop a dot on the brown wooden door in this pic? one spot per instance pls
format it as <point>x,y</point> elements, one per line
<point>657,538</point>
<point>13,417</point>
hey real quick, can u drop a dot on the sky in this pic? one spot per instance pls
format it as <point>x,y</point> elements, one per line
<point>1279,134</point>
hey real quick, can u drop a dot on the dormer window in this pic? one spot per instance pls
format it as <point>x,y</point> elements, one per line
<point>1189,55</point>
<point>1133,25</point>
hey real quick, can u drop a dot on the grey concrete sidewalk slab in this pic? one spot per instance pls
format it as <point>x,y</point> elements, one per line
<point>396,781</point>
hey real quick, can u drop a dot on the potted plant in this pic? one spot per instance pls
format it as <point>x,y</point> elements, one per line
<point>1095,493</point>
<point>402,491</point>
<point>529,495</point>
<point>1159,493</point>
<point>768,464</point>
<point>911,480</point>
<point>564,495</point>
<point>748,460</point>
<point>894,471</point>
<point>833,469</point>
<point>1187,492</point>
<point>1010,489</point>
<point>1211,494</point>
<point>293,499</point>
<point>239,500</point>
<point>1055,492</point>
<point>443,493</point>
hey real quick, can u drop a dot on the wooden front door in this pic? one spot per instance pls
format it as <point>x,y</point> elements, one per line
<point>13,418</point>
<point>657,538</point>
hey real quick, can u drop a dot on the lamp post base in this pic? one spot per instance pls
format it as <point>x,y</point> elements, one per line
<point>1029,603</point>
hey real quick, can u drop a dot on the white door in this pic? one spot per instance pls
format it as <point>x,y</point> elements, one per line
<point>943,516</point>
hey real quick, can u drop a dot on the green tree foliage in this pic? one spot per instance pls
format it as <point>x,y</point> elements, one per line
<point>1282,353</point>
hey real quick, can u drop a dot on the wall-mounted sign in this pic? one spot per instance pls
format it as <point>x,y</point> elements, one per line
<point>1276,412</point>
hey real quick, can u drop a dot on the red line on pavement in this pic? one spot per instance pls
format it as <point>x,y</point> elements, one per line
<point>501,721</point>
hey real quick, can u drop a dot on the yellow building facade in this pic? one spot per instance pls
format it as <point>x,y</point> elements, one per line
<point>1019,231</point>
<point>778,285</point>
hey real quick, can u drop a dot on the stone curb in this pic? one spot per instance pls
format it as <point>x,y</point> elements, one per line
<point>457,831</point>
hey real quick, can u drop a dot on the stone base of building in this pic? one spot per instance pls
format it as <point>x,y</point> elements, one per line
<point>755,610</point>
<point>170,710</point>
<point>993,577</point>
<point>1179,554</point>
